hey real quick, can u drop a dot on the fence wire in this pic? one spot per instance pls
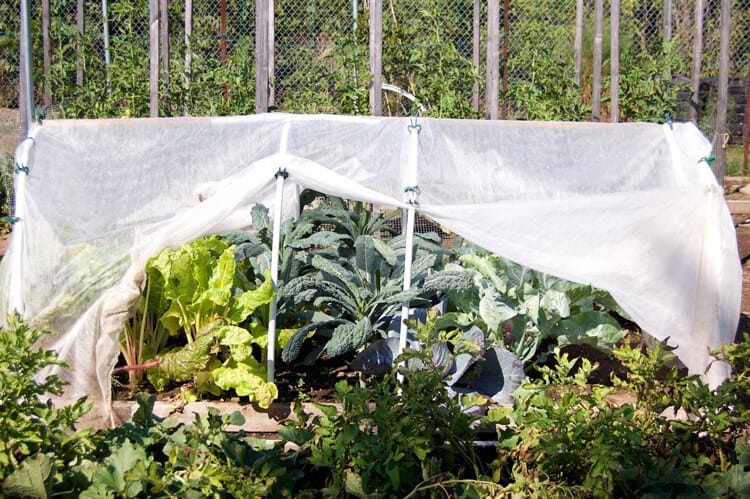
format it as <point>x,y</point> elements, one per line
<point>88,67</point>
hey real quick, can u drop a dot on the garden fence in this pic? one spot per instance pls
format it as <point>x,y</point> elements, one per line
<point>435,50</point>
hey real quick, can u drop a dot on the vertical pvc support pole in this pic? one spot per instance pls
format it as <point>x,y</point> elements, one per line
<point>281,175</point>
<point>17,241</point>
<point>275,243</point>
<point>411,197</point>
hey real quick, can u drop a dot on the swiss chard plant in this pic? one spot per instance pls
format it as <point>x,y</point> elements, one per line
<point>208,303</point>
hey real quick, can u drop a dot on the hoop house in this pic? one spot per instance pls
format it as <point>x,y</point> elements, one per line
<point>629,208</point>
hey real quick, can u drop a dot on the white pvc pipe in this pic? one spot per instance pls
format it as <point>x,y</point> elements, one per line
<point>275,243</point>
<point>408,257</point>
<point>16,250</point>
<point>411,198</point>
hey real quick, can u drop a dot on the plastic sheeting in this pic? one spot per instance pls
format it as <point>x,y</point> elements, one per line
<point>630,208</point>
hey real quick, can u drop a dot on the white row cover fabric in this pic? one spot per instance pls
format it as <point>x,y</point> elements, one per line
<point>630,208</point>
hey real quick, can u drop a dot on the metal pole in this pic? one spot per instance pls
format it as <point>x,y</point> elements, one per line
<point>27,82</point>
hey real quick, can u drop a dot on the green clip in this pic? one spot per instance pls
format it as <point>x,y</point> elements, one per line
<point>708,159</point>
<point>668,119</point>
<point>22,169</point>
<point>38,116</point>
<point>11,220</point>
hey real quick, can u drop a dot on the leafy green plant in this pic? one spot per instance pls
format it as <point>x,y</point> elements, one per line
<point>142,339</point>
<point>150,458</point>
<point>389,439</point>
<point>207,299</point>
<point>567,428</point>
<point>356,297</point>
<point>646,92</point>
<point>39,439</point>
<point>545,88</point>
<point>520,308</point>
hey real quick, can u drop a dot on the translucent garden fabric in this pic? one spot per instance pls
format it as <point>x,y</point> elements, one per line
<point>630,208</point>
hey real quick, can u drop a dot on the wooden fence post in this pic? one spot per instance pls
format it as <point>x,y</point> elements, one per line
<point>746,126</point>
<point>697,56</point>
<point>81,26</point>
<point>153,30</point>
<point>493,59</point>
<point>596,91</point>
<point>376,57</point>
<point>187,71</point>
<point>271,54</point>
<point>105,33</point>
<point>475,41</point>
<point>578,47</point>
<point>261,56</point>
<point>164,34</point>
<point>720,166</point>
<point>506,43</point>
<point>614,61</point>
<point>46,56</point>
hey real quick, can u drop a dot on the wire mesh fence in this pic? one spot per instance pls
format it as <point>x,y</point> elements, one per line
<point>92,58</point>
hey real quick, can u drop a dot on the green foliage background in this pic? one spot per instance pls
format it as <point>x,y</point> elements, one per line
<point>321,58</point>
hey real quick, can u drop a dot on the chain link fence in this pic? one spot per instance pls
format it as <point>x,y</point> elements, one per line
<point>434,50</point>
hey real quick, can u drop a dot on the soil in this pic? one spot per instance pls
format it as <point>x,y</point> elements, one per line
<point>316,383</point>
